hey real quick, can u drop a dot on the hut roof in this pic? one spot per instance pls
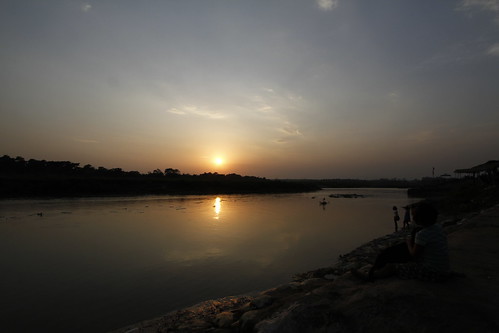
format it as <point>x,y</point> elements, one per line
<point>488,166</point>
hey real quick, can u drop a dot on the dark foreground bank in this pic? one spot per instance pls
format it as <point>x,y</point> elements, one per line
<point>332,300</point>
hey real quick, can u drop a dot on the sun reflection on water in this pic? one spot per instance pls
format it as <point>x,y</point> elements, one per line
<point>218,207</point>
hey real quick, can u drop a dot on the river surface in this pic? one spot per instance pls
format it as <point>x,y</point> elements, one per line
<point>97,264</point>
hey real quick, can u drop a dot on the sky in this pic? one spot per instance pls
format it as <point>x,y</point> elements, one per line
<point>270,88</point>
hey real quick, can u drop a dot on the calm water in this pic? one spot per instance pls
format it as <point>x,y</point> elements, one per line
<point>92,265</point>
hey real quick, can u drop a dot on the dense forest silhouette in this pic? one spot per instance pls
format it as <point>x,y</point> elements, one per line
<point>41,178</point>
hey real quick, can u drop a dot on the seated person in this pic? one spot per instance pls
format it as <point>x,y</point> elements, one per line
<point>424,256</point>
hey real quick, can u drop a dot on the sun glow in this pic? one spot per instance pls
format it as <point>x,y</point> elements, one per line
<point>218,161</point>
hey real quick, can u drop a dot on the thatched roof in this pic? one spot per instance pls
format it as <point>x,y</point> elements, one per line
<point>485,167</point>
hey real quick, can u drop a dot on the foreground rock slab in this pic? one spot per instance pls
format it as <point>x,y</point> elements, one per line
<point>332,300</point>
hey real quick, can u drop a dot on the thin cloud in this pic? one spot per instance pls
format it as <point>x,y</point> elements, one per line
<point>86,7</point>
<point>494,50</point>
<point>289,133</point>
<point>265,108</point>
<point>328,4</point>
<point>393,97</point>
<point>176,111</point>
<point>485,5</point>
<point>277,107</point>
<point>194,110</point>
<point>209,114</point>
<point>492,5</point>
<point>291,130</point>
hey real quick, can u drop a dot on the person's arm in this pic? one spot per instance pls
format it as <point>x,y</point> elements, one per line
<point>414,249</point>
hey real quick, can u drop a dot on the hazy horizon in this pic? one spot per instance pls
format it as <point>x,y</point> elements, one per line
<point>278,89</point>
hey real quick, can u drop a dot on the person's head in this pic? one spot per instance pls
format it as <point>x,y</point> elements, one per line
<point>424,214</point>
<point>394,208</point>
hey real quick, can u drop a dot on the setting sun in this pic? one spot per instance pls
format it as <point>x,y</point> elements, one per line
<point>218,161</point>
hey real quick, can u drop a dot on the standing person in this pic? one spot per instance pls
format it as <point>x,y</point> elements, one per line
<point>407,216</point>
<point>396,218</point>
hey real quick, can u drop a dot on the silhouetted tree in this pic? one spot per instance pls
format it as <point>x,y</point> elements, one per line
<point>7,164</point>
<point>116,172</point>
<point>172,172</point>
<point>133,173</point>
<point>156,173</point>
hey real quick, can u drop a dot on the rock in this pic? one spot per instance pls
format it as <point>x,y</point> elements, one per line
<point>317,273</point>
<point>283,289</point>
<point>328,290</point>
<point>195,324</point>
<point>224,319</point>
<point>249,319</point>
<point>312,283</point>
<point>262,301</point>
<point>350,265</point>
<point>300,318</point>
<point>247,307</point>
<point>365,268</point>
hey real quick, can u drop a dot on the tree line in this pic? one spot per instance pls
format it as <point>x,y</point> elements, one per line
<point>20,166</point>
<point>34,178</point>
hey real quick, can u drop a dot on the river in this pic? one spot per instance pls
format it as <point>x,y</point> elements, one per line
<point>97,264</point>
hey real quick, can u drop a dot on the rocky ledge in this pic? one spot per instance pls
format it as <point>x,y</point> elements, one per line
<point>332,300</point>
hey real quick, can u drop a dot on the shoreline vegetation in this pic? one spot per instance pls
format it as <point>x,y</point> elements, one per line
<point>20,178</point>
<point>45,179</point>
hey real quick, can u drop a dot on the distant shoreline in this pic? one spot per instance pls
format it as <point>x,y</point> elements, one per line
<point>20,178</point>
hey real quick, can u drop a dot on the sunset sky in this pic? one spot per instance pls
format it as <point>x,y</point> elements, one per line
<point>271,88</point>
